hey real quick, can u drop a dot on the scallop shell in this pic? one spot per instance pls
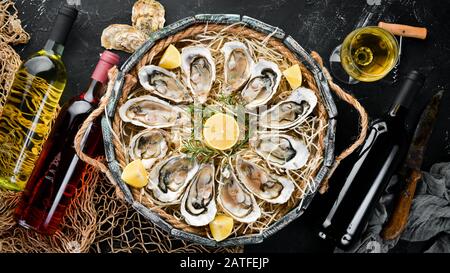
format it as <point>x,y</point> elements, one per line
<point>122,37</point>
<point>148,16</point>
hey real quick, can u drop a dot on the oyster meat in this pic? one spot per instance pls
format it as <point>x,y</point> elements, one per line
<point>200,71</point>
<point>238,63</point>
<point>163,83</point>
<point>290,112</point>
<point>271,188</point>
<point>264,81</point>
<point>149,146</point>
<point>235,199</point>
<point>198,205</point>
<point>122,37</point>
<point>151,112</point>
<point>169,179</point>
<point>148,16</point>
<point>280,150</point>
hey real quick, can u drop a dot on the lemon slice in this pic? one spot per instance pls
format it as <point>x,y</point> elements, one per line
<point>221,227</point>
<point>294,76</point>
<point>221,132</point>
<point>135,174</point>
<point>171,58</point>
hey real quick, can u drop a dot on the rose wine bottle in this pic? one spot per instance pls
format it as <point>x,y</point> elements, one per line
<point>31,105</point>
<point>58,170</point>
<point>377,160</point>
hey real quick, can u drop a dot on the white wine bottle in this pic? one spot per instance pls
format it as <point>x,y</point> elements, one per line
<point>31,105</point>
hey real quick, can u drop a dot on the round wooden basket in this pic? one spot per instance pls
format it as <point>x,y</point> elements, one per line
<point>315,76</point>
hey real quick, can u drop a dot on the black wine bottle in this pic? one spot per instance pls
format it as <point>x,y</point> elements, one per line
<point>376,162</point>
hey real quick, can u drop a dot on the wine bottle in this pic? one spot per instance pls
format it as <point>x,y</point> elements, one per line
<point>377,160</point>
<point>31,105</point>
<point>58,170</point>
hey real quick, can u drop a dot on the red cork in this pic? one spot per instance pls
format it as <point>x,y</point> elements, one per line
<point>107,61</point>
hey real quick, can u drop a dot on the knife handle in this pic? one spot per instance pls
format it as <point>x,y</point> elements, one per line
<point>399,217</point>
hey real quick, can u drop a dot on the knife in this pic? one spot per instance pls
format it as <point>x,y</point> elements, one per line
<point>411,169</point>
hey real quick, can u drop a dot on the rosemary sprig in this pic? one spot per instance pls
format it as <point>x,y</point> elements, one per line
<point>196,149</point>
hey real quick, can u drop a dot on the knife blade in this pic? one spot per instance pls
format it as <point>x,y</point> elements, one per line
<point>411,169</point>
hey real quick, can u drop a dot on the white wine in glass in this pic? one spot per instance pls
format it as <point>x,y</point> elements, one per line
<point>368,54</point>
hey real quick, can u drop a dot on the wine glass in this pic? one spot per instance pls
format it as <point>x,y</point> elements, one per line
<point>367,54</point>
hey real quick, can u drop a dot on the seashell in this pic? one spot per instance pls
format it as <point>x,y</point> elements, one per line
<point>198,205</point>
<point>263,84</point>
<point>149,146</point>
<point>122,37</point>
<point>148,16</point>
<point>151,112</point>
<point>280,150</point>
<point>290,112</point>
<point>235,199</point>
<point>169,179</point>
<point>200,71</point>
<point>270,188</point>
<point>163,83</point>
<point>238,63</point>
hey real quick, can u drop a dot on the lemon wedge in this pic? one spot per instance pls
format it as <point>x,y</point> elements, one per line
<point>171,58</point>
<point>294,76</point>
<point>221,132</point>
<point>135,174</point>
<point>221,227</point>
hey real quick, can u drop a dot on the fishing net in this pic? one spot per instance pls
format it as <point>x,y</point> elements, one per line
<point>98,220</point>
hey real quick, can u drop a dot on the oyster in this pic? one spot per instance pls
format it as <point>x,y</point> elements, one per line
<point>149,146</point>
<point>200,71</point>
<point>169,178</point>
<point>148,16</point>
<point>198,205</point>
<point>264,81</point>
<point>271,188</point>
<point>235,199</point>
<point>163,83</point>
<point>283,151</point>
<point>290,112</point>
<point>238,64</point>
<point>151,112</point>
<point>122,37</point>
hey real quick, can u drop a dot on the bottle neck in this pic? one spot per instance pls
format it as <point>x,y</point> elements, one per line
<point>54,48</point>
<point>94,92</point>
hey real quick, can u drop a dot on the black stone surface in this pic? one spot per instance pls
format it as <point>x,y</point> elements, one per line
<point>317,25</point>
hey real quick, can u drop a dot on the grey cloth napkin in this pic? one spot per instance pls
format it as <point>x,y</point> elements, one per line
<point>429,218</point>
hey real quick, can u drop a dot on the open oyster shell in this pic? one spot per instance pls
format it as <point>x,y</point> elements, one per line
<point>148,16</point>
<point>163,83</point>
<point>235,199</point>
<point>238,63</point>
<point>198,205</point>
<point>271,188</point>
<point>290,112</point>
<point>281,150</point>
<point>122,37</point>
<point>263,84</point>
<point>199,69</point>
<point>149,146</point>
<point>151,112</point>
<point>169,179</point>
